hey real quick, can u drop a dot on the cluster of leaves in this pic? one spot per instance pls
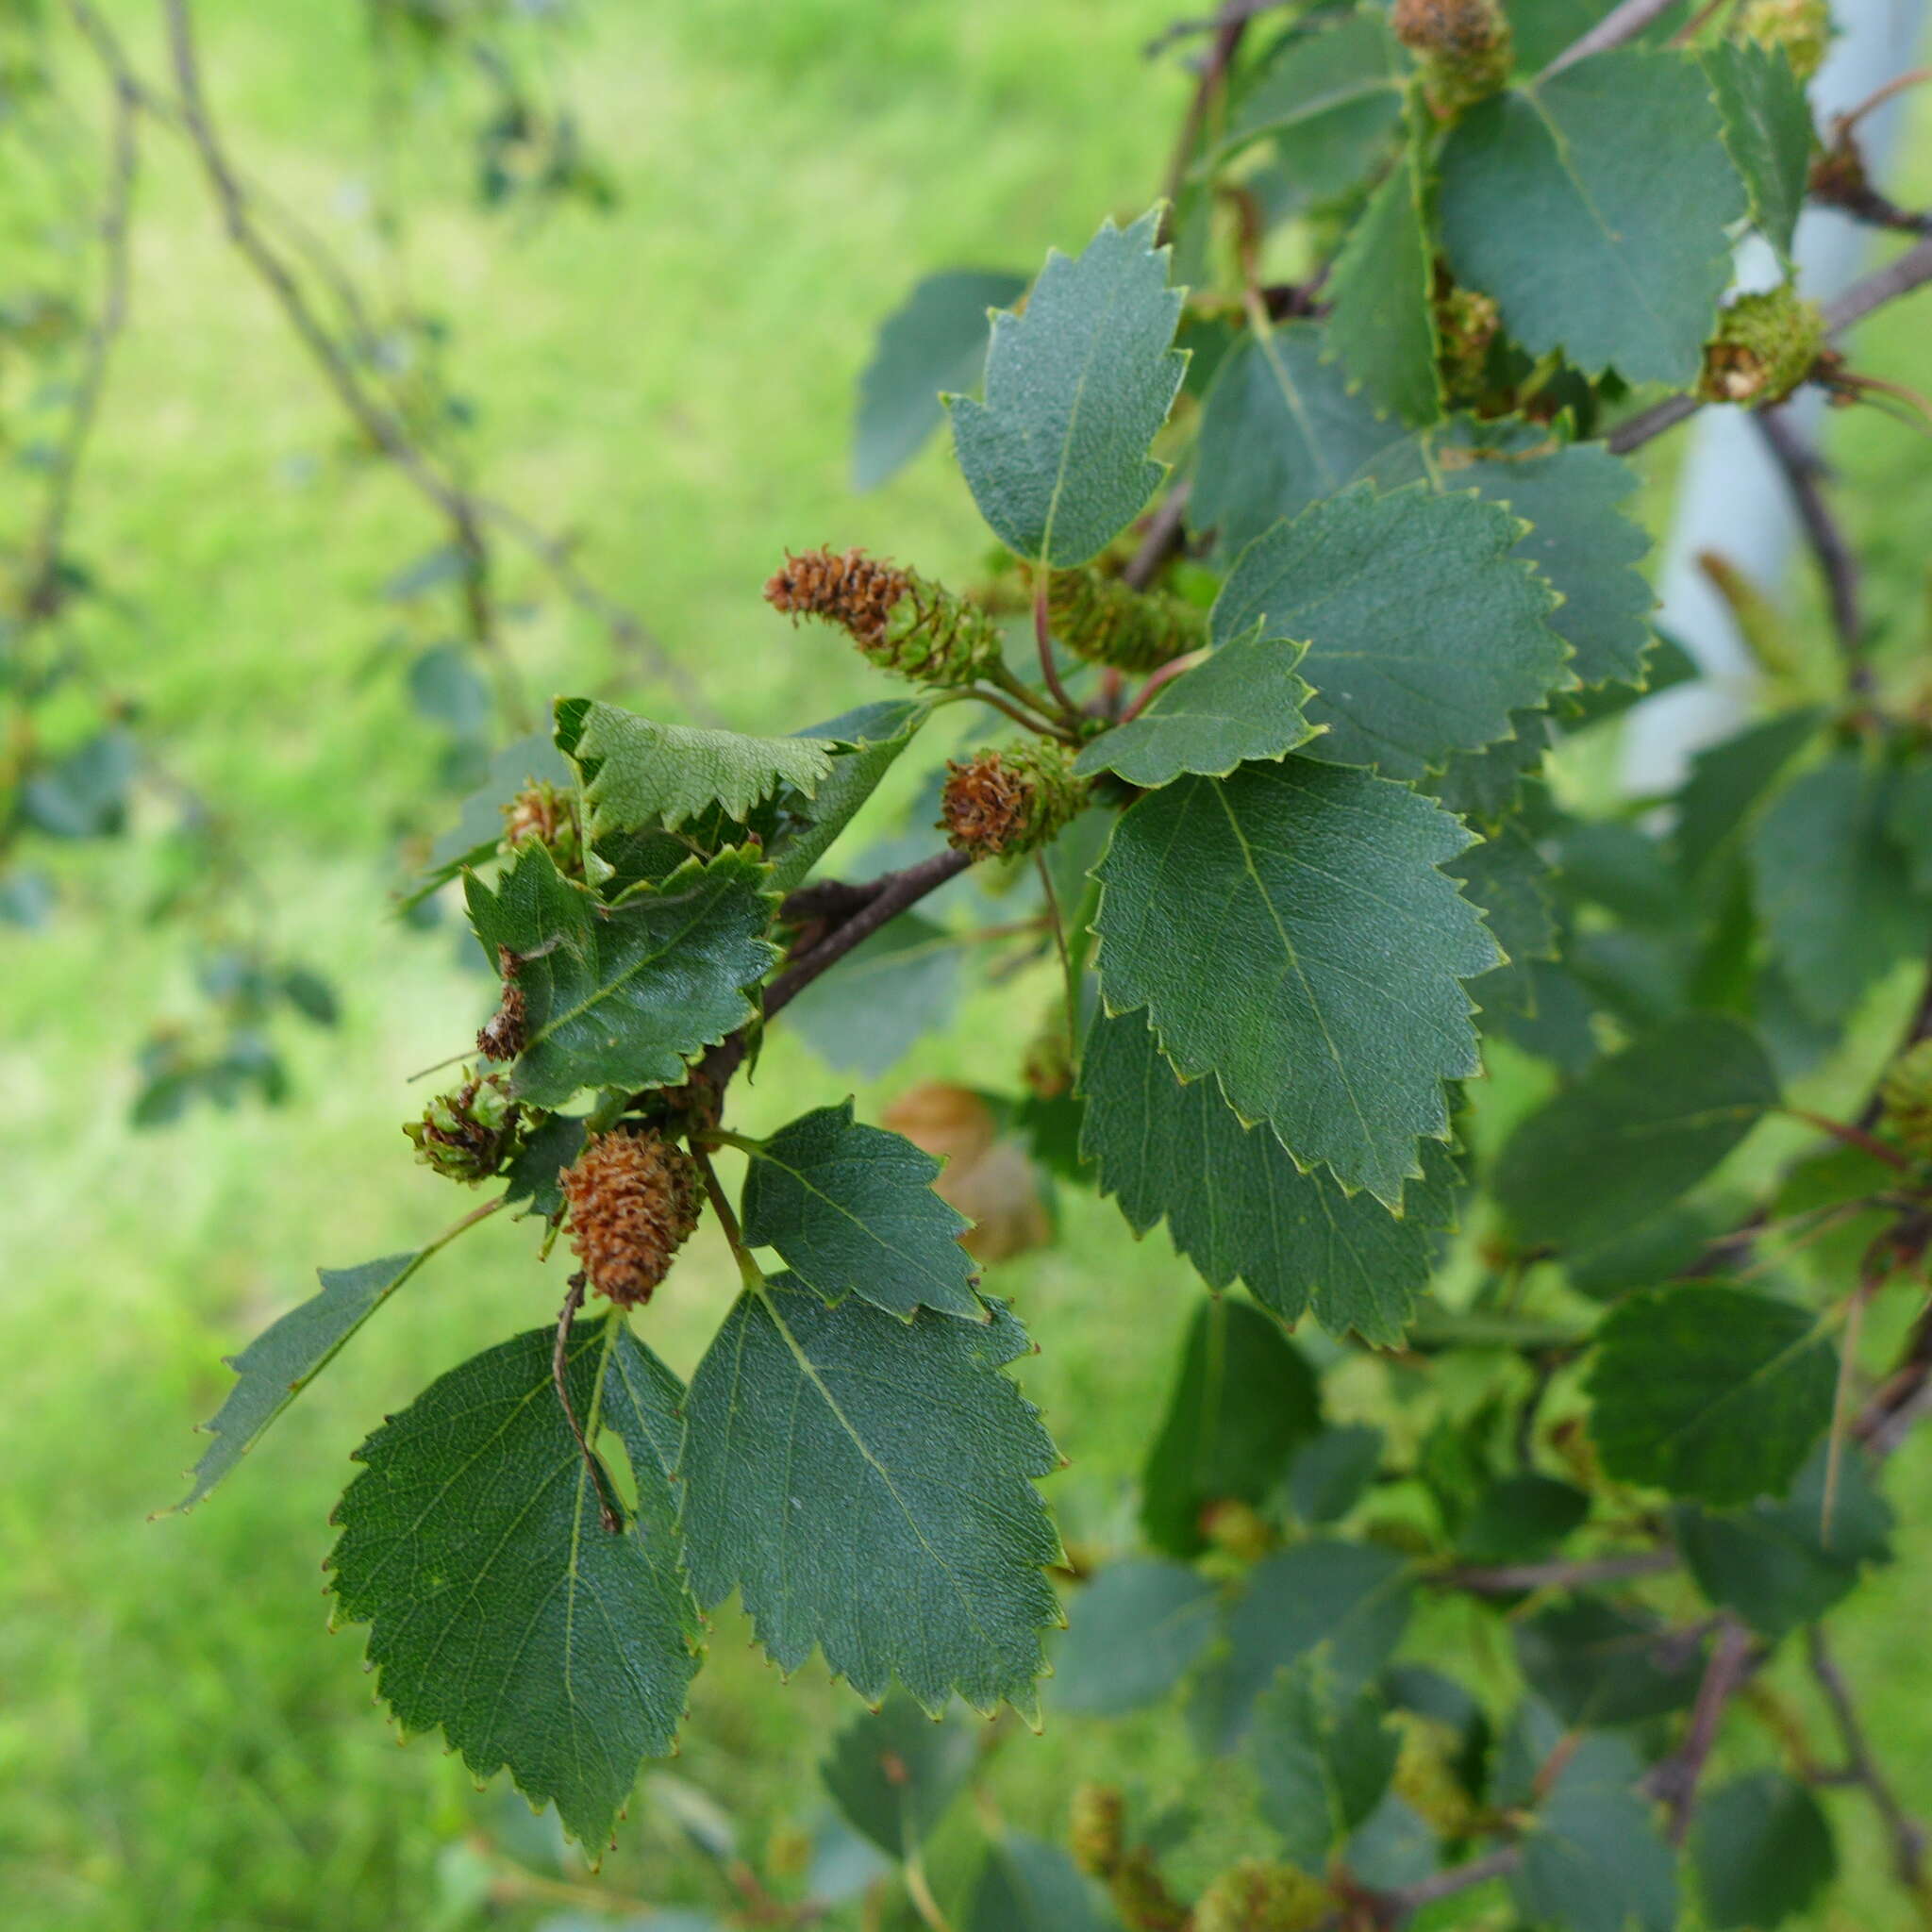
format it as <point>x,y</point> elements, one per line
<point>1304,884</point>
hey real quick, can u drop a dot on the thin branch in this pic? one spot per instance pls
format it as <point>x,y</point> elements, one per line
<point>1850,1135</point>
<point>1505,1579</point>
<point>1801,470</point>
<point>1841,124</point>
<point>1231,24</point>
<point>1676,1779</point>
<point>1175,667</point>
<point>1161,538</point>
<point>50,540</point>
<point>1912,270</point>
<point>468,514</point>
<point>886,899</point>
<point>1043,637</point>
<point>1620,23</point>
<point>1190,29</point>
<point>1397,1907</point>
<point>1907,1835</point>
<point>560,1374</point>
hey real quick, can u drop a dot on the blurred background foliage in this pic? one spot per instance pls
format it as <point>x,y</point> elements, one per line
<point>653,249</point>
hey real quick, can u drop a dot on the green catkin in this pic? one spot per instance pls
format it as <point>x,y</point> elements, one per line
<point>1256,1896</point>
<point>1907,1098</point>
<point>1105,620</point>
<point>902,622</point>
<point>470,1132</point>
<point>1765,346</point>
<point>1801,28</point>
<point>1463,49</point>
<point>1003,803</point>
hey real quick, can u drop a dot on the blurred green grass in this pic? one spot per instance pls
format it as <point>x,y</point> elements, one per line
<point>181,1746</point>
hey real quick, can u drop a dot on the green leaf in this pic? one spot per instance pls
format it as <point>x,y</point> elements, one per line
<point>1780,1564</point>
<point>1593,1860</point>
<point>1322,1760</point>
<point>1330,1472</point>
<point>893,1772</point>
<point>1910,821</point>
<point>865,1482</point>
<point>500,1608</point>
<point>1504,876</point>
<point>1579,537</point>
<point>1763,1852</point>
<point>1594,1663</point>
<point>1132,1634</point>
<point>1028,1886</point>
<point>1077,388</point>
<point>852,1210</point>
<point>1329,92</point>
<point>1288,931</point>
<point>1348,1602</point>
<point>889,992</point>
<point>1709,1392</point>
<point>1633,1133</point>
<point>1518,1519</point>
<point>866,744</point>
<point>1382,319</point>
<point>288,1353</point>
<point>1833,890</point>
<point>635,773</point>
<point>1245,702</point>
<point>1238,1206</point>
<point>624,995</point>
<point>1244,1398</point>
<point>1279,429</point>
<point>1730,784</point>
<point>934,341</point>
<point>1767,131</point>
<point>1425,634</point>
<point>84,795</point>
<point>1594,206</point>
<point>535,1174</point>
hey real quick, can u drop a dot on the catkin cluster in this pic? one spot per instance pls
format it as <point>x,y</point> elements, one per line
<point>902,622</point>
<point>1256,1896</point>
<point>1907,1098</point>
<point>634,1201</point>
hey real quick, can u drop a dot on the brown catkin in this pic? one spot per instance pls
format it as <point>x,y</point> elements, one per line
<point>900,620</point>
<point>1464,48</point>
<point>633,1200</point>
<point>507,1032</point>
<point>1011,801</point>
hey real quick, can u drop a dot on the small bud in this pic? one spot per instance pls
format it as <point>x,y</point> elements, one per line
<point>506,1033</point>
<point>1467,324</point>
<point>1048,1068</point>
<point>1907,1098</point>
<point>1765,346</point>
<point>545,814</point>
<point>1463,47</point>
<point>1094,1830</point>
<point>1237,1527</point>
<point>1423,1777</point>
<point>1011,801</point>
<point>469,1133</point>
<point>634,1201</point>
<point>1106,622</point>
<point>1256,1896</point>
<point>900,620</point>
<point>1801,28</point>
